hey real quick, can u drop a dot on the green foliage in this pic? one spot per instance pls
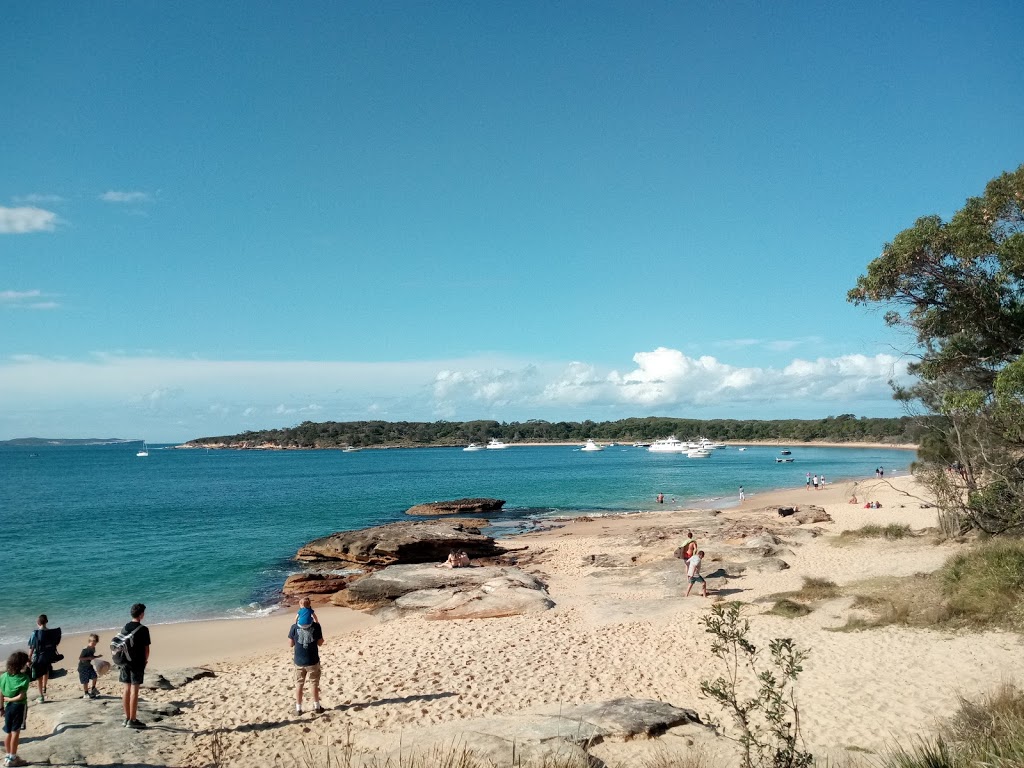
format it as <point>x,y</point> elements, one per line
<point>761,700</point>
<point>957,286</point>
<point>334,434</point>
<point>789,609</point>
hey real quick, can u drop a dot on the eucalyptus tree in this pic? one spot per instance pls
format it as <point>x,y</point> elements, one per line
<point>958,287</point>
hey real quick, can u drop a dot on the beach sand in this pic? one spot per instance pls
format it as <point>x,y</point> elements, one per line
<point>614,632</point>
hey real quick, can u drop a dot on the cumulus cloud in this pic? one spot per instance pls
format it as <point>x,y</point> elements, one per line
<point>178,398</point>
<point>26,219</point>
<point>121,196</point>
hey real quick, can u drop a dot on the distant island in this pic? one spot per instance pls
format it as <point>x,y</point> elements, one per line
<point>846,428</point>
<point>35,442</point>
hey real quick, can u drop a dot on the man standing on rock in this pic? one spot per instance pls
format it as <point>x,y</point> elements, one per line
<point>306,640</point>
<point>133,673</point>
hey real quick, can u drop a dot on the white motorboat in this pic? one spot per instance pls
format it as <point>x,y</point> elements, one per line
<point>592,446</point>
<point>641,445</point>
<point>741,449</point>
<point>473,447</point>
<point>144,452</point>
<point>698,453</point>
<point>668,445</point>
<point>496,445</point>
<point>350,449</point>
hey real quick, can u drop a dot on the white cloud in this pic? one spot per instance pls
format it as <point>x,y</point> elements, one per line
<point>26,300</point>
<point>36,199</point>
<point>121,394</point>
<point>26,219</point>
<point>119,196</point>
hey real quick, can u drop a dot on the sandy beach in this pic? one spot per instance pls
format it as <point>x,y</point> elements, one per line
<point>614,632</point>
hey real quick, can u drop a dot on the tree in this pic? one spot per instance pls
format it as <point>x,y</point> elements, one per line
<point>957,286</point>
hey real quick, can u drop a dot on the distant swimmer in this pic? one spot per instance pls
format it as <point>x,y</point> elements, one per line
<point>661,498</point>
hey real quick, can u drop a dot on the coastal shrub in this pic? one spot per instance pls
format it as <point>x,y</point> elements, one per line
<point>768,721</point>
<point>984,585</point>
<point>789,608</point>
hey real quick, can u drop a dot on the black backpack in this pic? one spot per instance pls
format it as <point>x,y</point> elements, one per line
<point>121,647</point>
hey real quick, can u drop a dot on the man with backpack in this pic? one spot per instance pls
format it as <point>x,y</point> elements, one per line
<point>130,651</point>
<point>306,639</point>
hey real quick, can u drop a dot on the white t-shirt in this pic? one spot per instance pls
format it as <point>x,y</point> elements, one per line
<point>693,566</point>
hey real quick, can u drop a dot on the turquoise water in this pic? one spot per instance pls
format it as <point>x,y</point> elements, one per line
<point>87,531</point>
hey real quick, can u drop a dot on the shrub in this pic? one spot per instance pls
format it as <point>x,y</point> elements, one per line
<point>789,608</point>
<point>984,584</point>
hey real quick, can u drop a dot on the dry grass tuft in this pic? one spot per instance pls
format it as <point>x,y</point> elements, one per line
<point>890,532</point>
<point>789,609</point>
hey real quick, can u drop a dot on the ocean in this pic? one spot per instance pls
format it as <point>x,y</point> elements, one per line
<point>197,534</point>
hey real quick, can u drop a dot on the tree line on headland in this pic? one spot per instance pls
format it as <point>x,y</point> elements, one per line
<point>362,434</point>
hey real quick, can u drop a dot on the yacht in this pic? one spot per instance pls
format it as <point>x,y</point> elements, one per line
<point>641,445</point>
<point>785,452</point>
<point>144,451</point>
<point>698,453</point>
<point>592,446</point>
<point>473,447</point>
<point>668,445</point>
<point>496,445</point>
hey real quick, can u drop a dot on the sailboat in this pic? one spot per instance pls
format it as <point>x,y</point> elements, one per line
<point>144,451</point>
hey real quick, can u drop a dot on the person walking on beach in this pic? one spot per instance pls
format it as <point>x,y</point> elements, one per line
<point>742,495</point>
<point>808,481</point>
<point>814,482</point>
<point>306,642</point>
<point>821,483</point>
<point>693,574</point>
<point>133,673</point>
<point>14,685</point>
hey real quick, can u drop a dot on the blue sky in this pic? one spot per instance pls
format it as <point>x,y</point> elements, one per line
<point>223,216</point>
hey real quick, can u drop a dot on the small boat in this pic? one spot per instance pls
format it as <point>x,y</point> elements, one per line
<point>668,445</point>
<point>591,446</point>
<point>496,445</point>
<point>351,449</point>
<point>641,445</point>
<point>783,461</point>
<point>785,452</point>
<point>741,449</point>
<point>473,447</point>
<point>144,452</point>
<point>698,453</point>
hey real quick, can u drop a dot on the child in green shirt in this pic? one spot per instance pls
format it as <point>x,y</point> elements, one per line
<point>14,685</point>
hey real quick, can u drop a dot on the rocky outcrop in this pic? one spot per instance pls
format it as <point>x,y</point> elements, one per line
<point>457,507</point>
<point>307,584</point>
<point>561,736</point>
<point>812,514</point>
<point>422,541</point>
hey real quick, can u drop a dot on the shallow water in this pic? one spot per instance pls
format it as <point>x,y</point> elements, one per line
<point>201,534</point>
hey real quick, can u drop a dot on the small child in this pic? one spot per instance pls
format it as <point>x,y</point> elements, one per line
<point>693,573</point>
<point>86,671</point>
<point>306,615</point>
<point>14,685</point>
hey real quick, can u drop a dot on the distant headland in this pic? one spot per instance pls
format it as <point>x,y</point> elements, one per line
<point>846,428</point>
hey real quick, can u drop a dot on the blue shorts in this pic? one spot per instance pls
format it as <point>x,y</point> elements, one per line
<point>15,716</point>
<point>85,674</point>
<point>697,580</point>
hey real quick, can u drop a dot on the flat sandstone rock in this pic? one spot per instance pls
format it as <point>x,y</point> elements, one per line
<point>457,507</point>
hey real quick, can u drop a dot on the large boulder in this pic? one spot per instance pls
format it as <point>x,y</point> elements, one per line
<point>305,584</point>
<point>457,507</point>
<point>421,541</point>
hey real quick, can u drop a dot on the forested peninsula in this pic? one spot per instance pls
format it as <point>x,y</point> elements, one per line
<point>408,434</point>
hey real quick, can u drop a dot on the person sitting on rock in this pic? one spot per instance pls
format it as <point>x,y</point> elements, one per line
<point>456,559</point>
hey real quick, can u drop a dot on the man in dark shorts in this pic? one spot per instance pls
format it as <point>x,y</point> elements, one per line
<point>133,673</point>
<point>306,641</point>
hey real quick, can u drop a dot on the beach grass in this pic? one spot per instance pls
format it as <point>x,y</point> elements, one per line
<point>789,608</point>
<point>988,732</point>
<point>891,532</point>
<point>813,589</point>
<point>981,588</point>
